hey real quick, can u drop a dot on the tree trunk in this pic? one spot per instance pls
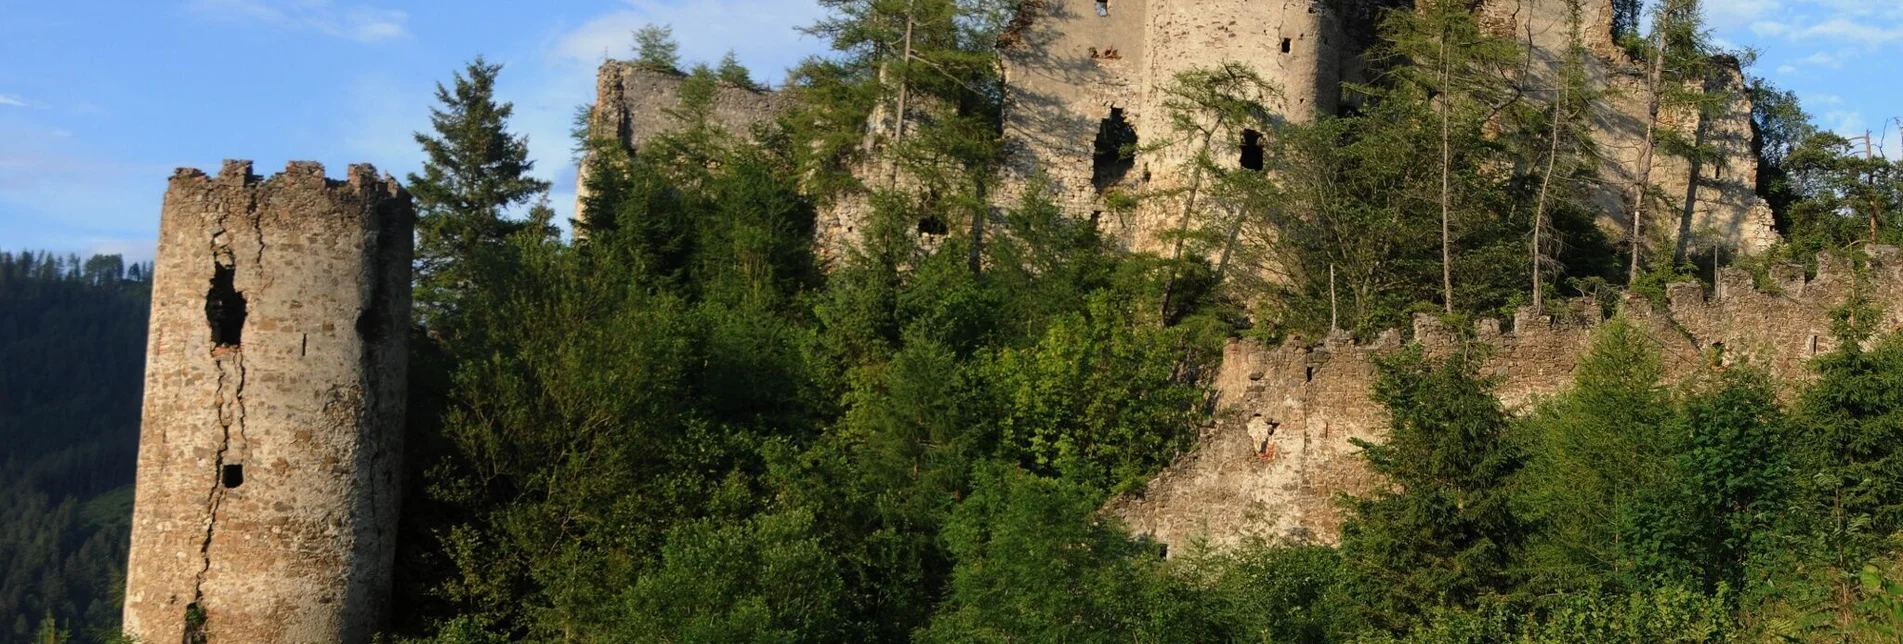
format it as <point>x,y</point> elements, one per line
<point>898,127</point>
<point>1645,158</point>
<point>1446,185</point>
<point>1539,210</point>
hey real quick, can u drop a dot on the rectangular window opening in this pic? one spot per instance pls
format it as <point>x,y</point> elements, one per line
<point>232,475</point>
<point>1286,45</point>
<point>1252,150</point>
<point>1103,8</point>
<point>1113,153</point>
<point>225,308</point>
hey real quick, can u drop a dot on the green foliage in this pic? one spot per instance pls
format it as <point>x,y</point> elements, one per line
<point>1849,426</point>
<point>1099,398</point>
<point>1588,502</point>
<point>766,579</point>
<point>656,49</point>
<point>473,172</point>
<point>1446,535</point>
<point>72,347</point>
<point>733,73</point>
<point>1028,568</point>
<point>1665,616</point>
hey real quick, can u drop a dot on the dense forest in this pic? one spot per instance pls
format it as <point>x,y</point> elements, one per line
<point>681,424</point>
<point>72,359</point>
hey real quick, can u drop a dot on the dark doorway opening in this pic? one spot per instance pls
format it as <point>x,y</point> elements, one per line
<point>1286,45</point>
<point>225,308</point>
<point>1252,149</point>
<point>1114,151</point>
<point>932,226</point>
<point>232,475</point>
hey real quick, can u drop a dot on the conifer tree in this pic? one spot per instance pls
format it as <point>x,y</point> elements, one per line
<point>1445,535</point>
<point>731,72</point>
<point>1588,504</point>
<point>475,171</point>
<point>656,49</point>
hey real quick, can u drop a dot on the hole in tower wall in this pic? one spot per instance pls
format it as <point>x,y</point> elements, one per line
<point>232,475</point>
<point>1287,45</point>
<point>1103,8</point>
<point>1252,149</point>
<point>1113,154</point>
<point>932,226</point>
<point>225,308</point>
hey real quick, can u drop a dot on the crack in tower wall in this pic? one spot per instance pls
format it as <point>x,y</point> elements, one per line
<point>302,389</point>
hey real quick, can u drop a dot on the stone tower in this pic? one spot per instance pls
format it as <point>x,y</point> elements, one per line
<point>1085,76</point>
<point>271,443</point>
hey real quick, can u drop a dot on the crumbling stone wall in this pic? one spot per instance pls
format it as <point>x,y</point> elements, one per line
<point>1724,210</point>
<point>1282,445</point>
<point>271,440</point>
<point>1068,70</point>
<point>634,103</point>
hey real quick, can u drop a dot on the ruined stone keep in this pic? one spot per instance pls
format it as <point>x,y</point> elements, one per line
<point>1086,77</point>
<point>271,440</point>
<point>1078,72</point>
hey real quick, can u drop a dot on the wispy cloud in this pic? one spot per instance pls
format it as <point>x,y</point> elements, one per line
<point>763,33</point>
<point>14,100</point>
<point>356,22</point>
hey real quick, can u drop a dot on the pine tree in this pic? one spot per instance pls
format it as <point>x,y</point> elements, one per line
<point>475,171</point>
<point>731,72</point>
<point>656,49</point>
<point>1445,535</point>
<point>1588,504</point>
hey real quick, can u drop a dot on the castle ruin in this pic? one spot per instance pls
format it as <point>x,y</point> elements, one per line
<point>1086,78</point>
<point>1083,76</point>
<point>1283,441</point>
<point>271,441</point>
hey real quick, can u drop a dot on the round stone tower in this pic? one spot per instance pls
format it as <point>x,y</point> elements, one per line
<point>271,444</point>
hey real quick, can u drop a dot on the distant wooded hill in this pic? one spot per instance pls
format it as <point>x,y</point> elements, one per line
<point>72,338</point>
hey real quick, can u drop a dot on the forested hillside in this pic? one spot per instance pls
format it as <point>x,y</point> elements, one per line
<point>682,426</point>
<point>72,357</point>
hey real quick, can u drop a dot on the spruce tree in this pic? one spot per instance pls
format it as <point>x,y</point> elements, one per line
<point>1587,503</point>
<point>656,49</point>
<point>476,170</point>
<point>733,73</point>
<point>1445,534</point>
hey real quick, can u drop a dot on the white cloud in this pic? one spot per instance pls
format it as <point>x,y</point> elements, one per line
<point>1726,13</point>
<point>357,22</point>
<point>1843,29</point>
<point>1786,69</point>
<point>763,33</point>
<point>1824,59</point>
<point>10,100</point>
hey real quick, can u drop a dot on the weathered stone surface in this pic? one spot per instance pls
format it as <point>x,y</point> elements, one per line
<point>1282,444</point>
<point>1067,69</point>
<point>634,104</point>
<point>270,447</point>
<point>1725,210</point>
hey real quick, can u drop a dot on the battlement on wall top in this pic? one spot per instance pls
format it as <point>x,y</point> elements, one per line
<point>1788,286</point>
<point>359,178</point>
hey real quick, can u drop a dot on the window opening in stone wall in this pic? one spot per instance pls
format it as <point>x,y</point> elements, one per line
<point>225,308</point>
<point>232,475</point>
<point>1286,45</point>
<point>1103,8</point>
<point>932,226</point>
<point>1252,149</point>
<point>1115,151</point>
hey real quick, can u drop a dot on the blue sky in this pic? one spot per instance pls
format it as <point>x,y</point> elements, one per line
<point>100,100</point>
